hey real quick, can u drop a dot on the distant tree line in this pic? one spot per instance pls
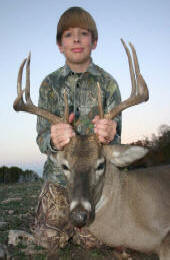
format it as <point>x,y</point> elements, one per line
<point>17,175</point>
<point>159,149</point>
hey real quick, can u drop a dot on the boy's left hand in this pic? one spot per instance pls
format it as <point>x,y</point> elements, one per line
<point>105,129</point>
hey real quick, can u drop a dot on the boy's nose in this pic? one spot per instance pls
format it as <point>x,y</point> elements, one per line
<point>76,40</point>
<point>76,37</point>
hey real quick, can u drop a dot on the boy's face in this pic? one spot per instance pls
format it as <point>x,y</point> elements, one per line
<point>76,45</point>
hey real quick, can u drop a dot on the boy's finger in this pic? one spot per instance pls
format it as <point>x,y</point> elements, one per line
<point>71,118</point>
<point>102,133</point>
<point>62,143</point>
<point>96,118</point>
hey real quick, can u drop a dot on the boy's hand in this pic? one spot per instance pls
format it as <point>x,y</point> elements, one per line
<point>105,129</point>
<point>61,133</point>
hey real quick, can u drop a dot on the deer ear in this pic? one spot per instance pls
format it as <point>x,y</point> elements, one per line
<point>122,155</point>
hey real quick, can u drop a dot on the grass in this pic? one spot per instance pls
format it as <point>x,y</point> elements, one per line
<point>19,214</point>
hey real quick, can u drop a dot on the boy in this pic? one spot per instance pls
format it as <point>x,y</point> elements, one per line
<point>76,38</point>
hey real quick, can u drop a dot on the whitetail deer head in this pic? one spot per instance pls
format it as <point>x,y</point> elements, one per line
<point>84,160</point>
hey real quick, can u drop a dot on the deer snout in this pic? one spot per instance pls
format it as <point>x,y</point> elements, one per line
<point>80,213</point>
<point>79,218</point>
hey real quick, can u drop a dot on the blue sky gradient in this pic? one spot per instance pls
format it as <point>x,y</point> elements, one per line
<point>31,25</point>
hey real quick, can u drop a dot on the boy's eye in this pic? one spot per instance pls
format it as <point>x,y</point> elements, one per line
<point>67,34</point>
<point>84,33</point>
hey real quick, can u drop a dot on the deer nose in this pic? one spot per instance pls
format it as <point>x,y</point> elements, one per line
<point>79,218</point>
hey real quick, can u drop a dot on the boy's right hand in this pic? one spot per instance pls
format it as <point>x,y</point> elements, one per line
<point>61,133</point>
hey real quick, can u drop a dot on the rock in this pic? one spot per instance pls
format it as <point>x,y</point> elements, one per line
<point>11,199</point>
<point>17,236</point>
<point>10,212</point>
<point>3,224</point>
<point>21,216</point>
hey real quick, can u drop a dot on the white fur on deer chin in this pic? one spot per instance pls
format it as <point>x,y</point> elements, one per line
<point>85,204</point>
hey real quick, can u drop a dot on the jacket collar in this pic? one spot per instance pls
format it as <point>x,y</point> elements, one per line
<point>92,69</point>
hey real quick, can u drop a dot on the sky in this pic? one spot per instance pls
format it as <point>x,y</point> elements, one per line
<point>31,26</point>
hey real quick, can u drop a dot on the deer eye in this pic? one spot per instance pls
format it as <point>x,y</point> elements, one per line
<point>101,166</point>
<point>64,167</point>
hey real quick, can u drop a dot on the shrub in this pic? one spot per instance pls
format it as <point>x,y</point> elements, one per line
<point>17,175</point>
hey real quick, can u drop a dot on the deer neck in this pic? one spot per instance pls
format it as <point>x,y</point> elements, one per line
<point>111,188</point>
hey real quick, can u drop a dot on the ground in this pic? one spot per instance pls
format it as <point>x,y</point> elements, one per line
<point>17,204</point>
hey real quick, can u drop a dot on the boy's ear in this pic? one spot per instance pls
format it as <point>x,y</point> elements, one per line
<point>60,47</point>
<point>94,44</point>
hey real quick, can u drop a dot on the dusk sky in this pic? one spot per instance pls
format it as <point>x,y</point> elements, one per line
<point>31,26</point>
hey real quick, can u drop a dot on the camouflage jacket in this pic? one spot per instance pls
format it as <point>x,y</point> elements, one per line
<point>81,89</point>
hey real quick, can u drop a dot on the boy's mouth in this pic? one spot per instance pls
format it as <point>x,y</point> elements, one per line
<point>77,50</point>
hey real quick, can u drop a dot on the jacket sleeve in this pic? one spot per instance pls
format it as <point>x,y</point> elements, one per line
<point>113,98</point>
<point>43,126</point>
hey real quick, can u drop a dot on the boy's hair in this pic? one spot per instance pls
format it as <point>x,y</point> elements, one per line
<point>76,17</point>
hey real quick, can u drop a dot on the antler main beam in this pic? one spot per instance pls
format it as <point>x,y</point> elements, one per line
<point>139,92</point>
<point>27,105</point>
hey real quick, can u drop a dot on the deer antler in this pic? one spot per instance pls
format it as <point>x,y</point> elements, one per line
<point>99,99</point>
<point>28,106</point>
<point>139,91</point>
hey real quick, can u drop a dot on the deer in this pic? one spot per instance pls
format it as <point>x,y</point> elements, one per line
<point>121,208</point>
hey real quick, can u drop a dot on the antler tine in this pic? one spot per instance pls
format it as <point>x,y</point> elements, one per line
<point>27,87</point>
<point>139,91</point>
<point>142,87</point>
<point>66,112</point>
<point>132,74</point>
<point>19,100</point>
<point>100,107</point>
<point>135,59</point>
<point>19,103</point>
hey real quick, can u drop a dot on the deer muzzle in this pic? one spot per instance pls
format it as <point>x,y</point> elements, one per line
<point>80,214</point>
<point>79,218</point>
